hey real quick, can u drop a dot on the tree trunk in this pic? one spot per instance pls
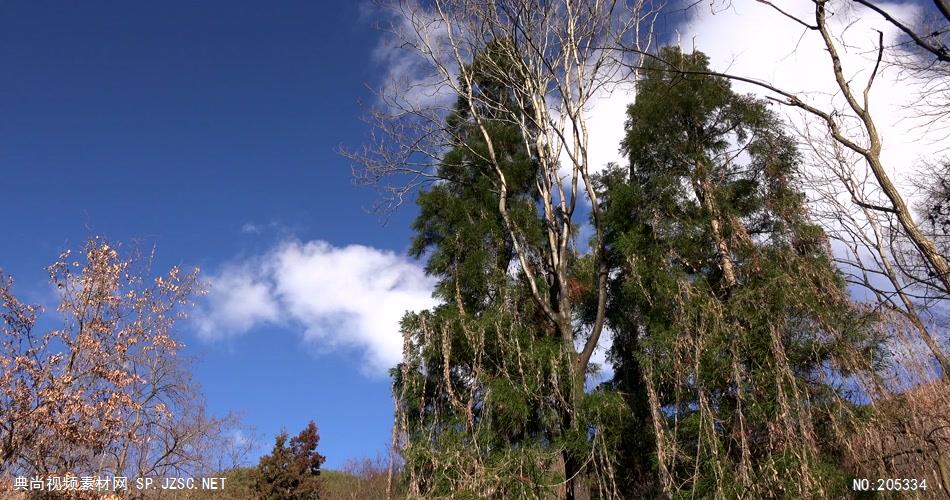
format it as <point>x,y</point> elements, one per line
<point>706,196</point>
<point>577,487</point>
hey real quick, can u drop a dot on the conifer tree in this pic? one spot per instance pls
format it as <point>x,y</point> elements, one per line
<point>484,395</point>
<point>292,470</point>
<point>733,328</point>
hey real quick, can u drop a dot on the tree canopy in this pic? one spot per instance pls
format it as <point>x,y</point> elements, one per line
<point>292,470</point>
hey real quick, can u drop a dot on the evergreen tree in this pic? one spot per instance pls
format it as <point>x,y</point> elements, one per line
<point>732,325</point>
<point>292,470</point>
<point>484,395</point>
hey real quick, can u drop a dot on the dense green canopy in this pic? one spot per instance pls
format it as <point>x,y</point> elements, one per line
<point>732,329</point>
<point>727,308</point>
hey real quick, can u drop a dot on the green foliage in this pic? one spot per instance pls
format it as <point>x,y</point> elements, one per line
<point>733,330</point>
<point>484,395</point>
<point>725,290</point>
<point>496,412</point>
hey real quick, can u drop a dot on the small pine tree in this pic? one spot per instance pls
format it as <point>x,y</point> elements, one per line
<point>291,471</point>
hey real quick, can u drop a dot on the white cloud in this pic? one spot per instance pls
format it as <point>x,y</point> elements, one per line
<point>414,37</point>
<point>606,117</point>
<point>250,228</point>
<point>240,298</point>
<point>339,297</point>
<point>753,40</point>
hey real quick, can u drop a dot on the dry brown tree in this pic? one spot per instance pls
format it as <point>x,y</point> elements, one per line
<point>105,392</point>
<point>869,247</point>
<point>889,251</point>
<point>854,128</point>
<point>923,59</point>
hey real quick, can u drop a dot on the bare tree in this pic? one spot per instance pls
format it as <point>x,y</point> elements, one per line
<point>868,240</point>
<point>930,34</point>
<point>169,434</point>
<point>865,141</point>
<point>105,393</point>
<point>907,256</point>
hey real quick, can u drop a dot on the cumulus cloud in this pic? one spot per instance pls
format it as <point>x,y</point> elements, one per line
<point>240,299</point>
<point>350,297</point>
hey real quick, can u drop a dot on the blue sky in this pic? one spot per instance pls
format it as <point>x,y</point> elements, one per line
<point>177,125</point>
